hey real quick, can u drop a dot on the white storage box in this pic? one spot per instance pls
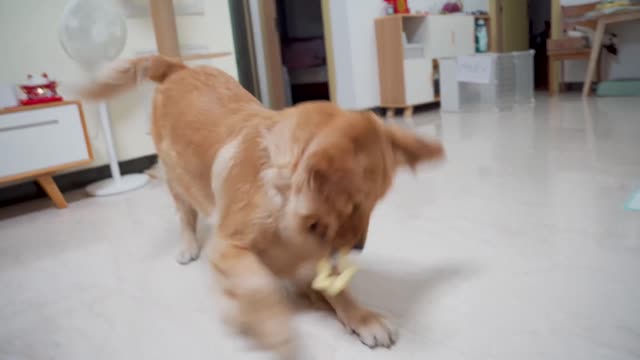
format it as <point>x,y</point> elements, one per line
<point>486,82</point>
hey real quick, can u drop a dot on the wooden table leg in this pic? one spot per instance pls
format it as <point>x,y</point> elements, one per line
<point>391,113</point>
<point>50,187</point>
<point>593,60</point>
<point>551,73</point>
<point>408,112</point>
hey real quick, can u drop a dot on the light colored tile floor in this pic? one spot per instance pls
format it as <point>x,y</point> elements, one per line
<point>518,247</point>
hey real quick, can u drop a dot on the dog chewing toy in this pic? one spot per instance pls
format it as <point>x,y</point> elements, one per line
<point>332,285</point>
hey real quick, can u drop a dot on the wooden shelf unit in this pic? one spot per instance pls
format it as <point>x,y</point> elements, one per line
<point>407,47</point>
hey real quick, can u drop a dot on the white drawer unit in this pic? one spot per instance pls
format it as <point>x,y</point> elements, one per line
<point>37,141</point>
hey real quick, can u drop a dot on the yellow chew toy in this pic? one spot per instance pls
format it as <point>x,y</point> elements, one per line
<point>329,284</point>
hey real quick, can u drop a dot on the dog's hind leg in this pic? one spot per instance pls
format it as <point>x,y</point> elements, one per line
<point>190,248</point>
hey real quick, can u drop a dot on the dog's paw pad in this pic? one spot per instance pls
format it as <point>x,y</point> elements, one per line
<point>373,330</point>
<point>187,255</point>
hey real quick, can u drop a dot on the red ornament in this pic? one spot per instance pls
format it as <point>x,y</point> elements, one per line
<point>402,7</point>
<point>40,91</point>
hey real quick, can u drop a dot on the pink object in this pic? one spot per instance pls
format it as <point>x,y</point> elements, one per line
<point>451,7</point>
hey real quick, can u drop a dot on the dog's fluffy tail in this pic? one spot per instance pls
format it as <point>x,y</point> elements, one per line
<point>124,75</point>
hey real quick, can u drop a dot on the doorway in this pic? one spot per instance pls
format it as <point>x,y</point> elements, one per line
<point>540,31</point>
<point>291,36</point>
<point>304,57</point>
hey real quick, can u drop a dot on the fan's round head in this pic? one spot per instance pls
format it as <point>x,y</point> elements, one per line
<point>92,32</point>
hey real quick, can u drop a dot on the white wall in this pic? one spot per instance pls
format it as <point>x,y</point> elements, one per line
<point>623,66</point>
<point>344,85</point>
<point>355,52</point>
<point>29,40</point>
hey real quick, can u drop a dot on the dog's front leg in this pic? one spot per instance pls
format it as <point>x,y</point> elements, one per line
<point>257,303</point>
<point>372,329</point>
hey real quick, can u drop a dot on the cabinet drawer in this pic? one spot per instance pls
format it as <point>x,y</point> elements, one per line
<point>33,140</point>
<point>450,35</point>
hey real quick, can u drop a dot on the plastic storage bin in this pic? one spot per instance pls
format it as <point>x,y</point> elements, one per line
<point>509,82</point>
<point>523,66</point>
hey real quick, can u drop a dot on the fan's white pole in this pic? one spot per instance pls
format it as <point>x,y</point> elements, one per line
<point>117,183</point>
<point>103,111</point>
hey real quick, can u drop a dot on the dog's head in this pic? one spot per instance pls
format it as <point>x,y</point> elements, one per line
<point>344,168</point>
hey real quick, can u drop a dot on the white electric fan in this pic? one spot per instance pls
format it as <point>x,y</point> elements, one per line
<point>93,33</point>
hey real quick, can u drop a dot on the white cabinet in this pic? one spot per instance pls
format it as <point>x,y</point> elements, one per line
<point>417,81</point>
<point>407,47</point>
<point>37,141</point>
<point>450,35</point>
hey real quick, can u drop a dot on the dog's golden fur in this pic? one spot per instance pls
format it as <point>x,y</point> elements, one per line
<point>286,187</point>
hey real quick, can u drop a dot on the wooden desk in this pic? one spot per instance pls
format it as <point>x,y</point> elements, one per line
<point>602,22</point>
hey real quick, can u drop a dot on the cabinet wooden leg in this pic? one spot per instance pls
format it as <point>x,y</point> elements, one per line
<point>52,190</point>
<point>408,112</point>
<point>391,113</point>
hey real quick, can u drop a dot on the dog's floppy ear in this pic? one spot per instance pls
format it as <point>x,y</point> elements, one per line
<point>409,149</point>
<point>327,170</point>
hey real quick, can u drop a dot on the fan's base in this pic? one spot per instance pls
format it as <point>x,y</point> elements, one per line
<point>111,187</point>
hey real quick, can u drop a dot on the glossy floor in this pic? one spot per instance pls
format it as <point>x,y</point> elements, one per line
<point>518,247</point>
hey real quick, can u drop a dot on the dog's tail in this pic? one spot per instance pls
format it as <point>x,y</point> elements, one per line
<point>124,75</point>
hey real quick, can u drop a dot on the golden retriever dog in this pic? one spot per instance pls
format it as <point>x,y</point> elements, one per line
<point>285,188</point>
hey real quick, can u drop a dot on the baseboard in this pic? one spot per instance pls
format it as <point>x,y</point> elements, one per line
<point>29,190</point>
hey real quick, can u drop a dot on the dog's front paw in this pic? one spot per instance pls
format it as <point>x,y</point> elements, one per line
<point>188,254</point>
<point>372,329</point>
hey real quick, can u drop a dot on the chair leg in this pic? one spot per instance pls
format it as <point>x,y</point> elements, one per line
<point>562,86</point>
<point>596,46</point>
<point>391,113</point>
<point>598,75</point>
<point>551,76</point>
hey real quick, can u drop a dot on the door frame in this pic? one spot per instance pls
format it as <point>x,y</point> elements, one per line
<point>267,45</point>
<point>328,47</point>
<point>495,13</point>
<point>555,71</point>
<point>268,13</point>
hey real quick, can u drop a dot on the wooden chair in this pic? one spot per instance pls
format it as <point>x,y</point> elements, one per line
<point>565,48</point>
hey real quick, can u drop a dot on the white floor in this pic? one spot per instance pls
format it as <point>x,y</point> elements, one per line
<point>518,247</point>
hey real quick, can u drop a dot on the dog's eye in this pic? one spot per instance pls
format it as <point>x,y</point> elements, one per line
<point>317,228</point>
